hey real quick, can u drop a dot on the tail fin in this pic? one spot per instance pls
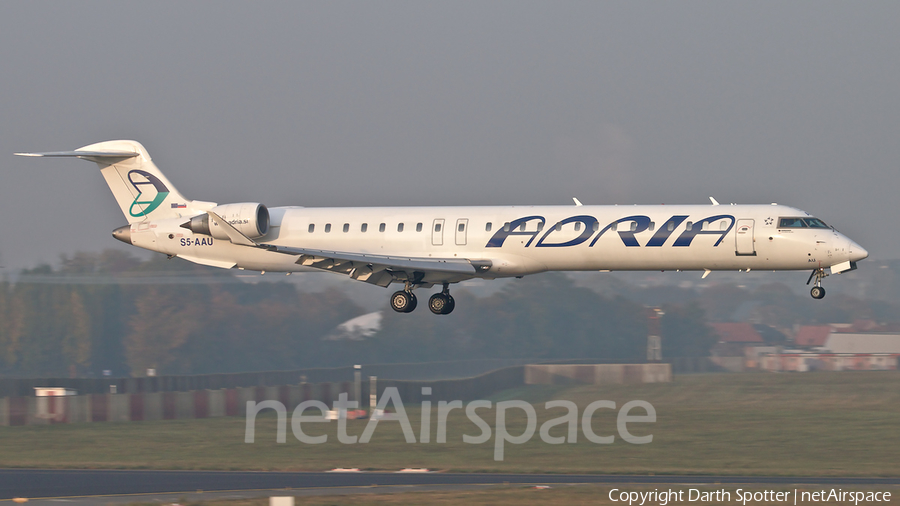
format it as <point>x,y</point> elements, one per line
<point>140,188</point>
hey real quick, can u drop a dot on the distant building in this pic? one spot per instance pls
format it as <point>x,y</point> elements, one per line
<point>729,352</point>
<point>862,336</point>
<point>812,336</point>
<point>845,342</point>
<point>737,333</point>
<point>861,345</point>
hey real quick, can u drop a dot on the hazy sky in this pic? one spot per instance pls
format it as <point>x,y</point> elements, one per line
<point>426,103</point>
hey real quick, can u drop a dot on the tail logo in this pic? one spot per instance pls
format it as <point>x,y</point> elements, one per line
<point>150,193</point>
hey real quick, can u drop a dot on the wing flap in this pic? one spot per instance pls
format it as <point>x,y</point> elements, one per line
<point>320,258</point>
<point>381,270</point>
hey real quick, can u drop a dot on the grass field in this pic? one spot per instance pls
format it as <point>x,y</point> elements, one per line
<point>844,423</point>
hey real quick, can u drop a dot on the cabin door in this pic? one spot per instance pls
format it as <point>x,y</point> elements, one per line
<point>437,233</point>
<point>461,225</point>
<point>743,237</point>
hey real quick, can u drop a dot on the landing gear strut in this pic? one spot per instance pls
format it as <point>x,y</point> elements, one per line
<point>404,301</point>
<point>442,303</point>
<point>817,291</point>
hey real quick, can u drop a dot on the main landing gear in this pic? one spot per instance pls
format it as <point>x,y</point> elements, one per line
<point>442,303</point>
<point>817,291</point>
<point>405,301</point>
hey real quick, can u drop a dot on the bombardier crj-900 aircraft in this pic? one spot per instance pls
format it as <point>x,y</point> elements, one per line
<point>421,247</point>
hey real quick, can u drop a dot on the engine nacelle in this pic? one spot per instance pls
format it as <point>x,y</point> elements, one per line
<point>250,218</point>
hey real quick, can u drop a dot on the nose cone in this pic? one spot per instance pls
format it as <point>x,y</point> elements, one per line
<point>856,252</point>
<point>123,234</point>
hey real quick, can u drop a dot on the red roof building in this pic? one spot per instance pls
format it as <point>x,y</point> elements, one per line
<point>737,333</point>
<point>812,335</point>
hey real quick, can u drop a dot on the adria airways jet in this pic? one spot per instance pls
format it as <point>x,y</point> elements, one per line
<point>420,247</point>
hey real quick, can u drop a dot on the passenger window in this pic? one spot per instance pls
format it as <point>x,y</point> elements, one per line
<point>723,225</point>
<point>577,226</point>
<point>614,227</point>
<point>704,225</point>
<point>506,227</point>
<point>522,226</point>
<point>461,227</point>
<point>634,226</point>
<point>312,228</point>
<point>399,227</point>
<point>651,226</point>
<point>437,227</point>
<point>540,226</point>
<point>487,227</point>
<point>671,226</point>
<point>364,227</point>
<point>596,226</point>
<point>346,227</point>
<point>327,227</point>
<point>689,226</point>
<point>381,227</point>
<point>418,227</point>
<point>558,227</point>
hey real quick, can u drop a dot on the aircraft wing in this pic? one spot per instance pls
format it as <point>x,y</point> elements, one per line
<point>378,270</point>
<point>382,269</point>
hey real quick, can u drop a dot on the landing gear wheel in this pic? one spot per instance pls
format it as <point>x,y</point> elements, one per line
<point>403,301</point>
<point>817,291</point>
<point>439,303</point>
<point>442,303</point>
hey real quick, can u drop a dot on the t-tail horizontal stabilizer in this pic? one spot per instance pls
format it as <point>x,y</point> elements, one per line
<point>94,156</point>
<point>139,187</point>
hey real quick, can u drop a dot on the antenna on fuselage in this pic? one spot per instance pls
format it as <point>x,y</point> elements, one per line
<point>714,201</point>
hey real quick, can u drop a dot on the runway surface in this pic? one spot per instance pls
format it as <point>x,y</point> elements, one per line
<point>36,483</point>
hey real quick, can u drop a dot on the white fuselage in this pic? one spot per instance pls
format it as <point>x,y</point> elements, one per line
<point>426,246</point>
<point>521,240</point>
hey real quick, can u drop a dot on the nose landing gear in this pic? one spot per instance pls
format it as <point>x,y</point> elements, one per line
<point>817,291</point>
<point>442,303</point>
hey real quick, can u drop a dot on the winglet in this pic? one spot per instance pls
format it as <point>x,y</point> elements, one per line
<point>714,201</point>
<point>577,202</point>
<point>233,234</point>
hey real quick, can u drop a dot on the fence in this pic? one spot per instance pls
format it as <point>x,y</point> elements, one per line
<point>206,403</point>
<point>596,374</point>
<point>427,371</point>
<point>806,362</point>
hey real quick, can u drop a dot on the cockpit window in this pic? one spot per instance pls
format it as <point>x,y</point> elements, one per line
<point>801,223</point>
<point>815,223</point>
<point>791,223</point>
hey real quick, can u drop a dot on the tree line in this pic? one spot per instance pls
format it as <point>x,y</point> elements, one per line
<point>112,311</point>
